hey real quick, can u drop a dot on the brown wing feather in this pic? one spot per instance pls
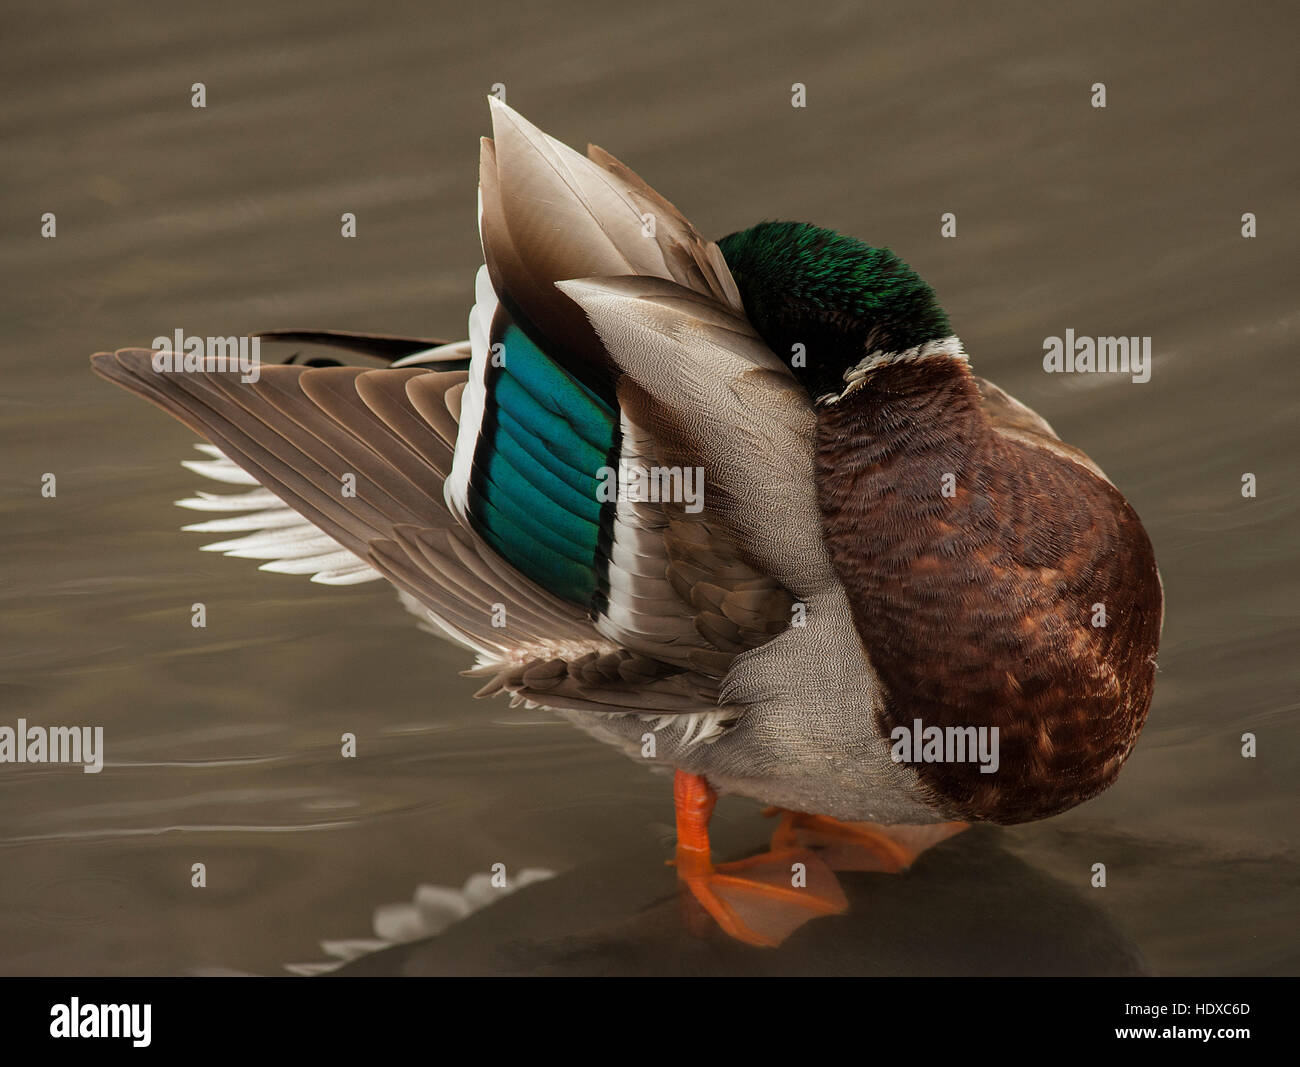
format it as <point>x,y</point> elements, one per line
<point>298,431</point>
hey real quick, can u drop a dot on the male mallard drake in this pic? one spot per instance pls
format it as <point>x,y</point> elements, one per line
<point>880,541</point>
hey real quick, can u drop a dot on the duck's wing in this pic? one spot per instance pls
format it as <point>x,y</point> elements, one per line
<point>476,493</point>
<point>701,391</point>
<point>361,456</point>
<point>546,417</point>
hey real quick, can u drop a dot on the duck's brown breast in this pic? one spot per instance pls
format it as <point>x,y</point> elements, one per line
<point>994,584</point>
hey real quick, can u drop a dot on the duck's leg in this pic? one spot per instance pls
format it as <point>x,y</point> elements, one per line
<point>859,846</point>
<point>760,900</point>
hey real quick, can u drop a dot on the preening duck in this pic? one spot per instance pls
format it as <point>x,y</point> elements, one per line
<point>738,508</point>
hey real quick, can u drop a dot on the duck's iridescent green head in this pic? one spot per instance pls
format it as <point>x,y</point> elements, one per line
<point>839,298</point>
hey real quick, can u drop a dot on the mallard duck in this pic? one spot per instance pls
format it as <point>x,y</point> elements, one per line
<point>737,508</point>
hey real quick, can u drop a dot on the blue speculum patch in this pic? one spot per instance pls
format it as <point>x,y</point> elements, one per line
<point>532,494</point>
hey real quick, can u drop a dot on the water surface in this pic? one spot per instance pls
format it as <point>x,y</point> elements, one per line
<point>222,743</point>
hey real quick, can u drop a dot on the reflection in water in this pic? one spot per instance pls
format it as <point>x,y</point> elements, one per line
<point>966,907</point>
<point>971,906</point>
<point>430,911</point>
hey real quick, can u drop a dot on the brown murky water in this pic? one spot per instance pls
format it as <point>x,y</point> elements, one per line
<point>222,743</point>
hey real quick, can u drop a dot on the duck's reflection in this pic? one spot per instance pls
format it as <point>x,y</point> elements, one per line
<point>967,907</point>
<point>431,909</point>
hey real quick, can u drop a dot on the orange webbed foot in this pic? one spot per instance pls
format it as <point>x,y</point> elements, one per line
<point>760,900</point>
<point>763,899</point>
<point>859,846</point>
